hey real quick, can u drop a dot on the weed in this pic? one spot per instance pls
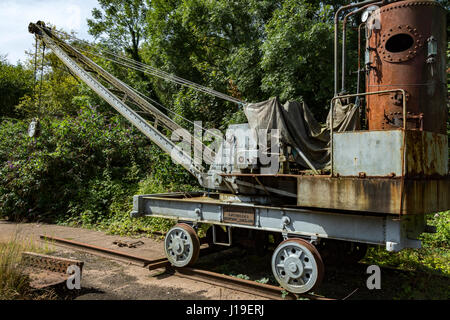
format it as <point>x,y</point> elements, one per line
<point>14,282</point>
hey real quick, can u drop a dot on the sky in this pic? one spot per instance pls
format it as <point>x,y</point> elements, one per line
<point>15,15</point>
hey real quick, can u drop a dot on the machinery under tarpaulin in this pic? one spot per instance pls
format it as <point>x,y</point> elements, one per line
<point>299,129</point>
<point>381,181</point>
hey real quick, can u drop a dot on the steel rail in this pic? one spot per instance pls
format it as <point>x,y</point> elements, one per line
<point>213,278</point>
<point>237,284</point>
<point>141,261</point>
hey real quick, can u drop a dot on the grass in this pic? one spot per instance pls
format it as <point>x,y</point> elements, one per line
<point>14,282</point>
<point>429,260</point>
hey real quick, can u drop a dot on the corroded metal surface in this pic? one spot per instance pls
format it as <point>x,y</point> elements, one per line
<point>50,263</point>
<point>380,153</point>
<point>378,195</point>
<point>239,215</point>
<point>399,58</point>
<point>94,249</point>
<point>47,271</point>
<point>426,154</point>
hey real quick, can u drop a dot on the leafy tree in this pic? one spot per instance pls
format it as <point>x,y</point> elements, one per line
<point>302,35</point>
<point>77,167</point>
<point>214,43</point>
<point>15,82</point>
<point>120,25</point>
<point>249,49</point>
<point>56,93</point>
<point>122,22</point>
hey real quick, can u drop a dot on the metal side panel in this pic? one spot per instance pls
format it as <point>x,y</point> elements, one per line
<point>426,153</point>
<point>374,153</point>
<point>380,153</point>
<point>350,193</point>
<point>380,195</point>
<point>383,230</point>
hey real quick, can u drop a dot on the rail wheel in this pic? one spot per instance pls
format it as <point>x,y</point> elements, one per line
<point>297,266</point>
<point>182,245</point>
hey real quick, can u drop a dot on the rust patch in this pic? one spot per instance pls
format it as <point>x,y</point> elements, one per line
<point>50,263</point>
<point>46,271</point>
<point>399,59</point>
<point>427,154</point>
<point>381,195</point>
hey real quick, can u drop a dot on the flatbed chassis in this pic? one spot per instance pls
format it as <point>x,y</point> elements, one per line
<point>392,231</point>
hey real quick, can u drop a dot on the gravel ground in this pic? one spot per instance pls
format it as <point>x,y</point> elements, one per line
<point>106,279</point>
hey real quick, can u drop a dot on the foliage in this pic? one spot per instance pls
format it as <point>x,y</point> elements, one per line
<point>13,282</point>
<point>56,91</point>
<point>122,22</point>
<point>235,47</point>
<point>440,239</point>
<point>15,82</point>
<point>295,32</point>
<point>78,169</point>
<point>121,223</point>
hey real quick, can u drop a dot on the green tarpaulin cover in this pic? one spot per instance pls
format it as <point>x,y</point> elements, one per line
<point>299,129</point>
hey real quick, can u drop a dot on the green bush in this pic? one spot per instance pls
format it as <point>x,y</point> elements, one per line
<point>121,223</point>
<point>15,82</point>
<point>80,170</point>
<point>441,238</point>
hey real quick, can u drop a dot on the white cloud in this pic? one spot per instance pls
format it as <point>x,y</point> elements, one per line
<point>15,15</point>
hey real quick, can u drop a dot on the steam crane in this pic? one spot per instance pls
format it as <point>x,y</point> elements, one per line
<point>310,191</point>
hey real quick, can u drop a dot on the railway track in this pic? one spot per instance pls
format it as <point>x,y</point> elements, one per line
<point>214,278</point>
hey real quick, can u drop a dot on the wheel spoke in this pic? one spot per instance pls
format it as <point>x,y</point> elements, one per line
<point>295,252</point>
<point>305,279</point>
<point>286,279</point>
<point>182,245</point>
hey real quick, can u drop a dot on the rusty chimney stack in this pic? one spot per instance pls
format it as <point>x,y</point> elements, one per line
<point>406,49</point>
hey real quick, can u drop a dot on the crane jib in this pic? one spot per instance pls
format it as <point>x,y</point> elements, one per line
<point>79,64</point>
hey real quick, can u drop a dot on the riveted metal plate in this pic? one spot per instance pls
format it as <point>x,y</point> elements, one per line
<point>411,52</point>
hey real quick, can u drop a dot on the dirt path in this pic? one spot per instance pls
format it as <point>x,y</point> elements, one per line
<point>104,278</point>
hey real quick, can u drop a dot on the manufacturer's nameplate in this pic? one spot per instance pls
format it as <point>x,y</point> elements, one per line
<point>239,215</point>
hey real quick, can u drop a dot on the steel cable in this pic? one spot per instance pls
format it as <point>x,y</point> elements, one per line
<point>139,66</point>
<point>130,65</point>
